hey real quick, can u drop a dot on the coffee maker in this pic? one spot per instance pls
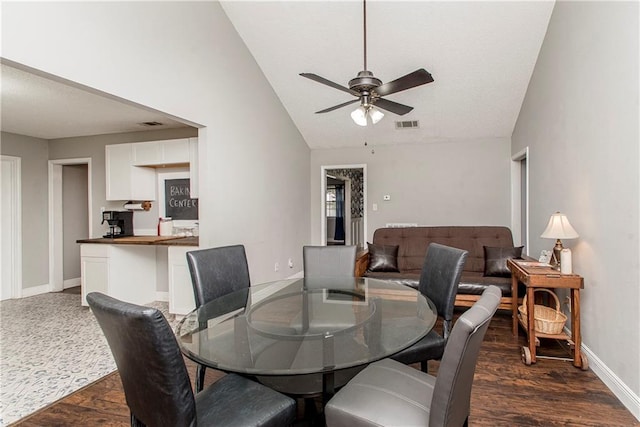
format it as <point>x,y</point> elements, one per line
<point>120,223</point>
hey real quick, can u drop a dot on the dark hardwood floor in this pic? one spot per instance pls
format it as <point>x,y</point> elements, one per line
<point>505,392</point>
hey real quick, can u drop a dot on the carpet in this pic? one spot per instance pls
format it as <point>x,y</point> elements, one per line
<point>50,346</point>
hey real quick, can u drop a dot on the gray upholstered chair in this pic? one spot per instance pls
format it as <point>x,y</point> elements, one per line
<point>389,393</point>
<point>156,383</point>
<point>216,272</point>
<point>439,280</point>
<point>329,261</point>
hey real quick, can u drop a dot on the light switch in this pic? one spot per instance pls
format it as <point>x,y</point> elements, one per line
<point>375,207</point>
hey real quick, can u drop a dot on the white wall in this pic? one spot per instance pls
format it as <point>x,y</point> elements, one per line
<point>35,244</point>
<point>185,59</point>
<point>454,182</point>
<point>580,120</point>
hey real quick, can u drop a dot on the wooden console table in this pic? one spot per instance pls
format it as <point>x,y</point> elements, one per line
<point>534,275</point>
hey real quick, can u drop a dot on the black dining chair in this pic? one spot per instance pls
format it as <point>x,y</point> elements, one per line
<point>389,393</point>
<point>329,261</point>
<point>439,282</point>
<point>216,272</point>
<point>156,382</point>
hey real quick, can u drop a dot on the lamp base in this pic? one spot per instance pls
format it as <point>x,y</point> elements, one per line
<point>555,260</point>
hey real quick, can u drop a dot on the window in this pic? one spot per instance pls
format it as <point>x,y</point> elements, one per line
<point>331,201</point>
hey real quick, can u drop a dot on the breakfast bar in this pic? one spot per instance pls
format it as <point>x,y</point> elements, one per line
<point>139,269</point>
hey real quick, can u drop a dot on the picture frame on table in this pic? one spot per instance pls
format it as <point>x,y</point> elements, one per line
<point>545,256</point>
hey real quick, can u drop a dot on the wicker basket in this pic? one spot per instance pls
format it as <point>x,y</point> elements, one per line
<point>546,319</point>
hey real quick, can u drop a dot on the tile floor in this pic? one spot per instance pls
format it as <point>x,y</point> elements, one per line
<point>50,346</point>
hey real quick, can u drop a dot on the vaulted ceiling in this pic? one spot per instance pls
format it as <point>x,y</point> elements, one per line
<point>481,55</point>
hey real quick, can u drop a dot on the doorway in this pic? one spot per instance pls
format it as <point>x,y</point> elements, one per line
<point>338,217</point>
<point>10,228</point>
<point>343,205</point>
<point>70,216</point>
<point>520,199</point>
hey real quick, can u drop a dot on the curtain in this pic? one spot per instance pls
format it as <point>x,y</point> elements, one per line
<point>339,234</point>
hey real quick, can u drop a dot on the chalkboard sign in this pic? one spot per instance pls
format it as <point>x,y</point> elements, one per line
<point>177,200</point>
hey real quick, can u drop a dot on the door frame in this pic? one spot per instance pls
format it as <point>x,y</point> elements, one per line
<point>16,226</point>
<point>56,253</point>
<point>347,212</point>
<point>323,198</point>
<point>516,198</point>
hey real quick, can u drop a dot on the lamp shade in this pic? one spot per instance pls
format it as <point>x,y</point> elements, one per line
<point>375,114</point>
<point>359,115</point>
<point>559,228</point>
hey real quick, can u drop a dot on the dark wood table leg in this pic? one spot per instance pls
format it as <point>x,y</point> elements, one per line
<point>531,326</point>
<point>575,327</point>
<point>514,304</point>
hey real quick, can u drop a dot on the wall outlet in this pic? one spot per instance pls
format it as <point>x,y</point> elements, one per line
<point>290,263</point>
<point>276,267</point>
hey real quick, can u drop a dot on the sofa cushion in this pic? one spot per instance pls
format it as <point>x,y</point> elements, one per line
<point>470,283</point>
<point>475,283</point>
<point>404,278</point>
<point>383,257</point>
<point>495,260</point>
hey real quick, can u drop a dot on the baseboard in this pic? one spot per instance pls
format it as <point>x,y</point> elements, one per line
<point>35,290</point>
<point>71,283</point>
<point>162,296</point>
<point>298,275</point>
<point>628,398</point>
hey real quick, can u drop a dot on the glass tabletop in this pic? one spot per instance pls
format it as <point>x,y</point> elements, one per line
<point>308,325</point>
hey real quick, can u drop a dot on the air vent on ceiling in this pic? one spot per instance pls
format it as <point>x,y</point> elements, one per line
<point>407,124</point>
<point>150,124</point>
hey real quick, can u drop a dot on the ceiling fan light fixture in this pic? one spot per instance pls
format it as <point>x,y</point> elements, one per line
<point>359,116</point>
<point>368,88</point>
<point>375,114</point>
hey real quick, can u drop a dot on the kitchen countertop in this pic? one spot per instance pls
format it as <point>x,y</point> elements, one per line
<point>145,240</point>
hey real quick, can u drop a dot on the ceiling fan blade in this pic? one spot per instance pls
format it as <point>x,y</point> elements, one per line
<point>335,107</point>
<point>324,81</point>
<point>417,78</point>
<point>394,107</point>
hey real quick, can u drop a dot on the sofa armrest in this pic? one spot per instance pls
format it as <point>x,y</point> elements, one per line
<point>362,262</point>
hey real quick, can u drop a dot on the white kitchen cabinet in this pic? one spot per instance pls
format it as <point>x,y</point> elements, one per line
<point>95,276</point>
<point>146,153</point>
<point>175,151</point>
<point>161,153</point>
<point>125,181</point>
<point>125,272</point>
<point>181,299</point>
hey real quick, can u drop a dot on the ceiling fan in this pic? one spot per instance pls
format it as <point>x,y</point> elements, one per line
<point>369,90</point>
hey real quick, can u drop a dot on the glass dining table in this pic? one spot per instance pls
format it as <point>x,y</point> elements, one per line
<point>308,335</point>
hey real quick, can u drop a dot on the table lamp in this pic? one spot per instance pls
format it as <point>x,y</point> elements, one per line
<point>558,228</point>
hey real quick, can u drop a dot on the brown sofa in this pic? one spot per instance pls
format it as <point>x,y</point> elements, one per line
<point>412,243</point>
